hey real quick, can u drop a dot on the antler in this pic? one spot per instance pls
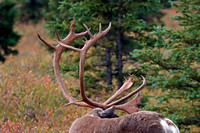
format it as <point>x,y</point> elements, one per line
<point>128,84</point>
<point>63,44</point>
<point>58,50</point>
<point>131,106</point>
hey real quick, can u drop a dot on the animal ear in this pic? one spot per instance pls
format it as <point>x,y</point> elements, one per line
<point>107,113</point>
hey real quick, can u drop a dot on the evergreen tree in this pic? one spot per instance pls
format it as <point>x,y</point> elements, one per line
<point>8,38</point>
<point>170,60</point>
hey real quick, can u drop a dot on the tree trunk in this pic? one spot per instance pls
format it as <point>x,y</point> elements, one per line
<point>32,2</point>
<point>108,51</point>
<point>119,47</point>
<point>108,65</point>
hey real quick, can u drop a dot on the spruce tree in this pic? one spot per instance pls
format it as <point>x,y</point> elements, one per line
<point>8,37</point>
<point>170,61</point>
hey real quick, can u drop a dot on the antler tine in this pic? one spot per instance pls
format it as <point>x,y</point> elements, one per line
<point>57,35</point>
<point>45,42</point>
<point>72,26</point>
<point>130,94</point>
<point>100,30</point>
<point>88,30</point>
<point>127,85</point>
<point>107,29</point>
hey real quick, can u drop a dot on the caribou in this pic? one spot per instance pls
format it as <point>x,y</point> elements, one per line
<point>102,118</point>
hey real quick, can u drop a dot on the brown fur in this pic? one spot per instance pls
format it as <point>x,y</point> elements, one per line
<point>139,122</point>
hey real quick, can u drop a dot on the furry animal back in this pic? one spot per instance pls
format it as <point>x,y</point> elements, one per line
<point>139,122</point>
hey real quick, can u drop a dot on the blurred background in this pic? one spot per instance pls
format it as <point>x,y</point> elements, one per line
<point>159,39</point>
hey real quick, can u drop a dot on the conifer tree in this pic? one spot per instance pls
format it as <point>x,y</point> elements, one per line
<point>8,37</point>
<point>170,60</point>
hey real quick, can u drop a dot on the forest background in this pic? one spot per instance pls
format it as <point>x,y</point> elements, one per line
<point>158,39</point>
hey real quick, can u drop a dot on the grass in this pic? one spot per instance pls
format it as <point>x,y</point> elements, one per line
<point>30,99</point>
